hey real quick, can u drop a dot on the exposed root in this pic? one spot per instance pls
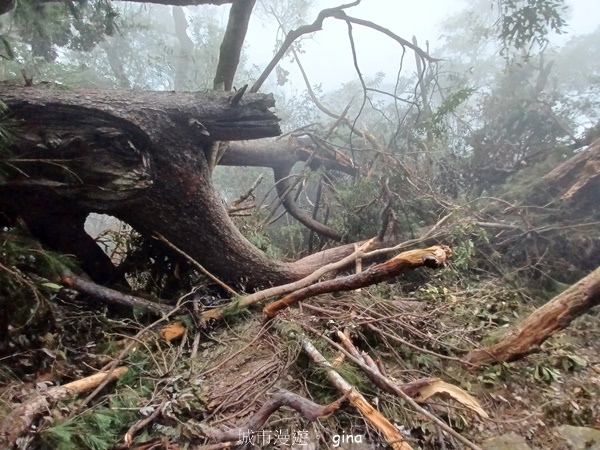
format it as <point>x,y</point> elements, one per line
<point>306,408</point>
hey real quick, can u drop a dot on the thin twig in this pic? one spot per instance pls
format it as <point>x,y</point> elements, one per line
<point>163,239</point>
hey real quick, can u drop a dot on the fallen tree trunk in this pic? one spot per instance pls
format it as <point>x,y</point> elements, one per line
<point>142,157</point>
<point>555,315</point>
<point>577,180</point>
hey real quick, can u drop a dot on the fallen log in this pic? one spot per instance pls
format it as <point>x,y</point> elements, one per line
<point>554,316</point>
<point>111,296</point>
<point>20,419</point>
<point>577,180</point>
<point>433,257</point>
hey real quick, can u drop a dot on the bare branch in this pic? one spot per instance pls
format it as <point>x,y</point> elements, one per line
<point>111,296</point>
<point>317,25</point>
<point>201,268</point>
<point>308,410</point>
<point>374,417</point>
<point>430,257</point>
<point>282,184</point>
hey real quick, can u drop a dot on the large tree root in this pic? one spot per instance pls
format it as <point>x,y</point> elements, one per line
<point>19,420</point>
<point>555,315</point>
<point>433,257</point>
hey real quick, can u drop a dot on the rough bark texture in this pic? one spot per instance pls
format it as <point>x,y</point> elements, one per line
<point>542,323</point>
<point>578,178</point>
<point>139,156</point>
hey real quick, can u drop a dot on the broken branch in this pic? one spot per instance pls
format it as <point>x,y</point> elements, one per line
<point>433,257</point>
<point>308,410</point>
<point>555,315</point>
<point>19,420</point>
<point>111,296</point>
<point>374,417</point>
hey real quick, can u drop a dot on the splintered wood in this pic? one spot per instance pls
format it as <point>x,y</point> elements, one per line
<point>19,420</point>
<point>555,315</point>
<point>387,429</point>
<point>433,257</point>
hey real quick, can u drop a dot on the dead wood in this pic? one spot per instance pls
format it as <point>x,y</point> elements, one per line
<point>218,313</point>
<point>284,153</point>
<point>420,390</point>
<point>555,315</point>
<point>141,424</point>
<point>111,296</point>
<point>393,386</point>
<point>578,178</point>
<point>284,188</point>
<point>433,257</point>
<point>307,409</point>
<point>19,420</point>
<point>374,417</point>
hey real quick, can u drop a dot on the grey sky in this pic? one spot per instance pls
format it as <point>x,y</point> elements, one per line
<point>328,59</point>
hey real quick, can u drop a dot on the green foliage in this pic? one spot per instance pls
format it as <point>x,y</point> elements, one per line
<point>545,373</point>
<point>45,26</point>
<point>525,22</point>
<point>97,428</point>
<point>234,311</point>
<point>492,375</point>
<point>360,214</point>
<point>438,122</point>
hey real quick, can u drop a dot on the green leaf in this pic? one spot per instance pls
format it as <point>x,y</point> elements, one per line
<point>52,287</point>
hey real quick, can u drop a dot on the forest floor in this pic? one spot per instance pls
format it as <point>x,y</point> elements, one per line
<point>220,376</point>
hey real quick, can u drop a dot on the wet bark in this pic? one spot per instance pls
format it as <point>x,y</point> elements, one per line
<point>554,316</point>
<point>140,156</point>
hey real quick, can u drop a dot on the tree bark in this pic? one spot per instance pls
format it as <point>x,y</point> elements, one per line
<point>19,420</point>
<point>233,41</point>
<point>433,257</point>
<point>578,178</point>
<point>139,156</point>
<point>542,323</point>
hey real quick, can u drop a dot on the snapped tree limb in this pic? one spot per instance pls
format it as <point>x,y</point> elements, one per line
<point>20,419</point>
<point>433,257</point>
<point>554,316</point>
